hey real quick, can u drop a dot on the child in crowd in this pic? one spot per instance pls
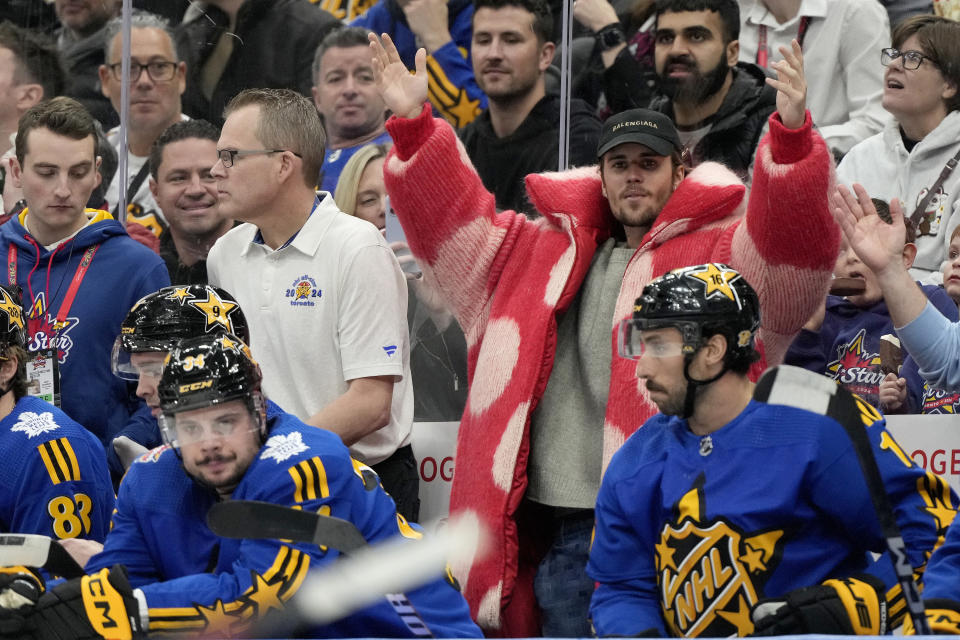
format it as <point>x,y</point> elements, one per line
<point>844,342</point>
<point>908,392</point>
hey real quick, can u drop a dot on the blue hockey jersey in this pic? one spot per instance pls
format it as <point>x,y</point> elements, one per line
<point>194,581</point>
<point>692,531</point>
<point>54,479</point>
<point>847,347</point>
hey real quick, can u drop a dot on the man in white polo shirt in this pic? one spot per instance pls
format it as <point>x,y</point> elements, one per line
<point>323,294</point>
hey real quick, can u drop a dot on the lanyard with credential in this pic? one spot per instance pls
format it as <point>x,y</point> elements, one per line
<point>33,320</point>
<point>763,55</point>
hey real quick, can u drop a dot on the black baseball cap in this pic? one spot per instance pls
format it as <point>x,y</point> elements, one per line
<point>643,126</point>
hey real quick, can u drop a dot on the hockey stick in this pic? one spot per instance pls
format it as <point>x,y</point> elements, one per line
<point>383,570</point>
<point>31,550</point>
<point>796,387</point>
<point>256,519</point>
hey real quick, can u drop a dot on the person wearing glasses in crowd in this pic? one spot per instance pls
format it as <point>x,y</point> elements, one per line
<point>157,80</point>
<point>908,160</point>
<point>323,294</point>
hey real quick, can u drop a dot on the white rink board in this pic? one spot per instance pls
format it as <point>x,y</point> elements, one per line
<point>933,442</point>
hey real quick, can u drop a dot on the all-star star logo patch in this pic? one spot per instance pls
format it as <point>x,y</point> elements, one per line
<point>34,424</point>
<point>46,332</point>
<point>856,368</point>
<point>303,292</point>
<point>284,447</point>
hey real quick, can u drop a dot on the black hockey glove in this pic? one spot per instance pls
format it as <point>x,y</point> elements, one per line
<point>943,616</point>
<point>849,606</point>
<point>20,587</point>
<point>97,606</point>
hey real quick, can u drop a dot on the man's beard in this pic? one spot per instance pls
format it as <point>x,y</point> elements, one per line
<point>698,87</point>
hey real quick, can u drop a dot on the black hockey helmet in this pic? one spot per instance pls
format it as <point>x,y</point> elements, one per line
<point>161,319</point>
<point>204,371</point>
<point>12,328</point>
<point>709,295</point>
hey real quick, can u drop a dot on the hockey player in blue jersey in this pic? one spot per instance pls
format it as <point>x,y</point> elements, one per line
<point>941,591</point>
<point>53,479</point>
<point>726,516</point>
<point>220,438</point>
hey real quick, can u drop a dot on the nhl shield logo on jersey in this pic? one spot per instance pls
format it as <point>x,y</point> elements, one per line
<point>710,573</point>
<point>303,292</point>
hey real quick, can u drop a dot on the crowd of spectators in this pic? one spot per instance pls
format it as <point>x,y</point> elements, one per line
<point>390,193</point>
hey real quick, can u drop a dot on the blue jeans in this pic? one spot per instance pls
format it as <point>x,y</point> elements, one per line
<point>562,587</point>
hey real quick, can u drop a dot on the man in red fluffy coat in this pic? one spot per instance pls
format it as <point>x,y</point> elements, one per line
<point>539,301</point>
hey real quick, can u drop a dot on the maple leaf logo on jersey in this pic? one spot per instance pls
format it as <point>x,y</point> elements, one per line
<point>710,573</point>
<point>856,368</point>
<point>283,447</point>
<point>34,424</point>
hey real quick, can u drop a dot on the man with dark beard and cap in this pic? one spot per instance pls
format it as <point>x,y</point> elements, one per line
<point>720,106</point>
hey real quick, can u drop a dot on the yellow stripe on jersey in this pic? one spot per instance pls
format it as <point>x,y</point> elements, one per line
<point>60,460</point>
<point>451,101</point>
<point>270,590</point>
<point>309,480</point>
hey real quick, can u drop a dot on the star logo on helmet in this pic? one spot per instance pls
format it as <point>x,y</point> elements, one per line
<point>14,312</point>
<point>227,343</point>
<point>216,309</point>
<point>181,294</point>
<point>717,279</point>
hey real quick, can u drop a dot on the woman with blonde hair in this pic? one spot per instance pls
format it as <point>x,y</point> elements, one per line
<point>360,190</point>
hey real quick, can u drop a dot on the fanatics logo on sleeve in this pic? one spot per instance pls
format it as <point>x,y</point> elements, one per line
<point>35,424</point>
<point>303,292</point>
<point>390,349</point>
<point>283,447</point>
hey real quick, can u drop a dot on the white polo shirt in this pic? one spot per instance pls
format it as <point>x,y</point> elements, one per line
<point>327,307</point>
<point>841,56</point>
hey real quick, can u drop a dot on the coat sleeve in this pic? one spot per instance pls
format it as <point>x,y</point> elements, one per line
<point>449,218</point>
<point>789,243</point>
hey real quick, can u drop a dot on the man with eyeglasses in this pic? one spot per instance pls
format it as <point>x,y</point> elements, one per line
<point>323,294</point>
<point>908,160</point>
<point>157,80</point>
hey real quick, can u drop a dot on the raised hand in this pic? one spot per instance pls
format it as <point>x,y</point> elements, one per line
<point>791,86</point>
<point>403,93</point>
<point>878,244</point>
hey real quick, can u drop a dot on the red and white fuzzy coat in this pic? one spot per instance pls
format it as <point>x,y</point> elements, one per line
<point>506,278</point>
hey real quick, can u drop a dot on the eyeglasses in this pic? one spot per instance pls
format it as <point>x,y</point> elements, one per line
<point>228,156</point>
<point>911,59</point>
<point>158,71</point>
